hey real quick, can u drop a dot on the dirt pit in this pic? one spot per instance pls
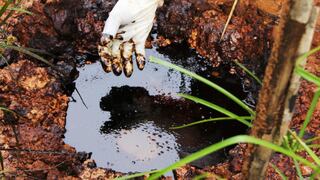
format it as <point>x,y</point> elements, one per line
<point>121,109</point>
<point>126,123</point>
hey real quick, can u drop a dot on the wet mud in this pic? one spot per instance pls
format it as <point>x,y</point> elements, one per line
<point>32,138</point>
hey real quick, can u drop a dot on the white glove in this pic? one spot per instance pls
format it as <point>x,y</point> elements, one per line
<point>125,32</point>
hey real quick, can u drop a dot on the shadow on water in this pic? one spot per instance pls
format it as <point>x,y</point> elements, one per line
<point>127,123</point>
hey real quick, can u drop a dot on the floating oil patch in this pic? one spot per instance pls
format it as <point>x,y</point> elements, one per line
<point>127,123</point>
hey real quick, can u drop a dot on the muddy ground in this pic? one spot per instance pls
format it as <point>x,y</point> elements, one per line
<point>32,139</point>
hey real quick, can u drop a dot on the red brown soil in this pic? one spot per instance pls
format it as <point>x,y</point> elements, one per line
<point>37,97</point>
<point>36,93</point>
<point>201,23</point>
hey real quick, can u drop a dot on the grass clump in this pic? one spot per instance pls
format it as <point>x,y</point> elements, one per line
<point>292,142</point>
<point>205,81</point>
<point>8,41</point>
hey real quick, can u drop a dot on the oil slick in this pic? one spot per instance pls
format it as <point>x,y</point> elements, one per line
<point>127,123</point>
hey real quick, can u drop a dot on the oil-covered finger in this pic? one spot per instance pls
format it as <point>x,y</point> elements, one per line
<point>140,55</point>
<point>140,39</point>
<point>120,34</point>
<point>105,54</point>
<point>127,50</point>
<point>116,58</point>
<point>105,46</point>
<point>105,40</point>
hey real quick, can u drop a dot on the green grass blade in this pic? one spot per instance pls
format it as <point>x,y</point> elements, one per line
<point>20,10</point>
<point>312,108</point>
<point>308,76</point>
<point>311,140</point>
<point>136,175</point>
<point>249,72</point>
<point>206,176</point>
<point>306,148</point>
<point>298,170</point>
<point>25,51</point>
<point>316,174</point>
<point>209,120</point>
<point>283,177</point>
<point>217,108</point>
<point>296,164</point>
<point>202,176</point>
<point>314,146</point>
<point>5,59</point>
<point>39,51</point>
<point>205,81</point>
<point>7,110</point>
<point>4,20</point>
<point>285,142</point>
<point>5,7</point>
<point>228,142</point>
<point>306,55</point>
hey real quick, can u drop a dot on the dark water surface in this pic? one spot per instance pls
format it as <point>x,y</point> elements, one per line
<point>127,123</point>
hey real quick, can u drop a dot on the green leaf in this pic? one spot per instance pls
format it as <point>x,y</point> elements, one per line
<point>25,51</point>
<point>209,120</point>
<point>228,142</point>
<point>17,9</point>
<point>298,170</point>
<point>7,110</point>
<point>39,51</point>
<point>249,72</point>
<point>206,176</point>
<point>5,59</point>
<point>308,76</point>
<point>136,175</point>
<point>205,81</point>
<point>304,56</point>
<point>217,108</point>
<point>4,8</point>
<point>314,146</point>
<point>306,148</point>
<point>283,177</point>
<point>4,20</point>
<point>311,140</point>
<point>312,108</point>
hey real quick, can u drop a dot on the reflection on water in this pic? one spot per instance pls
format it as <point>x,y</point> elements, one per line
<point>140,148</point>
<point>127,123</point>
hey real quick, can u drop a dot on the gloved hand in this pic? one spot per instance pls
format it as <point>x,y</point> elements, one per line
<point>125,32</point>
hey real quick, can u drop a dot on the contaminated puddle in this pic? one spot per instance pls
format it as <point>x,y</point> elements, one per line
<point>127,125</point>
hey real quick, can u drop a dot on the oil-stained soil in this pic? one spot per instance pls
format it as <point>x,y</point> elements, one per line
<point>32,139</point>
<point>201,23</point>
